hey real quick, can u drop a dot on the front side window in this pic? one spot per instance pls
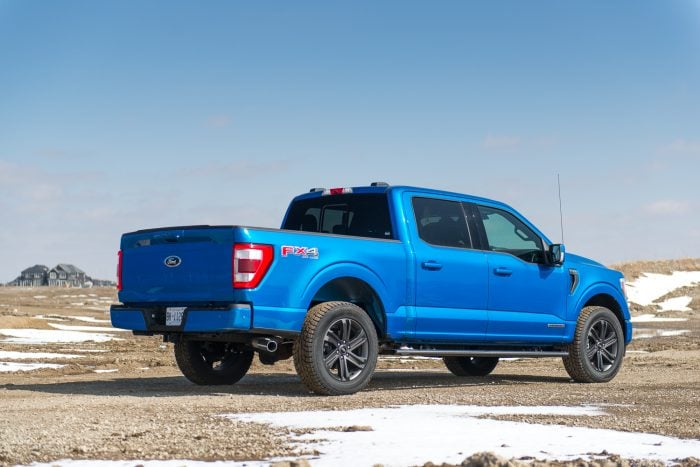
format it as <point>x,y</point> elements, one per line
<point>441,222</point>
<point>506,233</point>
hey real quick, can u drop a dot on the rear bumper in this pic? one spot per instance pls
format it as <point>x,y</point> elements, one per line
<point>232,318</point>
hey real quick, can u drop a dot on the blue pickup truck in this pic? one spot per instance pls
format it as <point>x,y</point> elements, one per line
<point>358,272</point>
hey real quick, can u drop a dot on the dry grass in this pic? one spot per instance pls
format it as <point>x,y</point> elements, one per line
<point>634,269</point>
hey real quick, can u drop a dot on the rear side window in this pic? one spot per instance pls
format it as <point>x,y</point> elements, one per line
<point>358,215</point>
<point>441,222</point>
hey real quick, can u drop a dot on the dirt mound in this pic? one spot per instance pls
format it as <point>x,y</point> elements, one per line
<point>634,269</point>
<point>489,459</point>
<point>23,322</point>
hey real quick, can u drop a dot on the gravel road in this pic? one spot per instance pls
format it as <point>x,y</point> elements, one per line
<point>147,410</point>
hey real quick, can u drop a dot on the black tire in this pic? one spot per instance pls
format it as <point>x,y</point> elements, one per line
<point>470,366</point>
<point>595,355</point>
<point>212,363</point>
<point>336,352</point>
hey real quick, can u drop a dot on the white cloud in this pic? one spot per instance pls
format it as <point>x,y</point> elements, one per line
<point>682,146</point>
<point>667,207</point>
<point>501,142</point>
<point>244,169</point>
<point>219,121</point>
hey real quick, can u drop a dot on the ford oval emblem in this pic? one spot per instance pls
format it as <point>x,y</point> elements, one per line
<point>172,261</point>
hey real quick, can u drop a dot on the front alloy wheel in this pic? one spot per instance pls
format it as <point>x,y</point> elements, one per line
<point>595,355</point>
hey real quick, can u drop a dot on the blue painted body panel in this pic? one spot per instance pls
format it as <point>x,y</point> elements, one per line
<point>462,302</point>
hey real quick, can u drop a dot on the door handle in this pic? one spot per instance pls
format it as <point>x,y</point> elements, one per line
<point>431,265</point>
<point>501,271</point>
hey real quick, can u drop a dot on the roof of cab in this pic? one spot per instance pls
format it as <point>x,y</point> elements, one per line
<point>318,192</point>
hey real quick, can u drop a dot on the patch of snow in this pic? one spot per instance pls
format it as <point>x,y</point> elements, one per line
<point>89,319</point>
<point>637,351</point>
<point>96,308</point>
<point>455,433</point>
<point>87,350</point>
<point>67,327</point>
<point>649,333</point>
<point>651,286</point>
<point>110,370</point>
<point>676,304</point>
<point>77,304</point>
<point>39,297</point>
<point>655,319</point>
<point>6,367</point>
<point>4,354</point>
<point>43,336</point>
<point>50,318</point>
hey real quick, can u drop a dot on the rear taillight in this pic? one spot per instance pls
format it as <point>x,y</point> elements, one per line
<point>250,263</point>
<point>119,270</point>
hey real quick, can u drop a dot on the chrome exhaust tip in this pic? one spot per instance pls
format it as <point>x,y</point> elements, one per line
<point>265,344</point>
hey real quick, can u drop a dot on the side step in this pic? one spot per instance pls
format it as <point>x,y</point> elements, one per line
<point>481,353</point>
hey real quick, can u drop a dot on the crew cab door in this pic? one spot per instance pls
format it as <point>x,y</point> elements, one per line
<point>527,297</point>
<point>451,277</point>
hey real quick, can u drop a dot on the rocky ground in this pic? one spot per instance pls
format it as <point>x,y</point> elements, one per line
<point>126,399</point>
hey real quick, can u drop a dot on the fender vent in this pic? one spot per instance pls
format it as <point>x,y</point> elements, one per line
<point>573,274</point>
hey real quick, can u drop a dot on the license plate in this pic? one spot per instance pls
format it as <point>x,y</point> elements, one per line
<point>173,315</point>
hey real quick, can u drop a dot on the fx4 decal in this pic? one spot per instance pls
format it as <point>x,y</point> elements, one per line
<point>301,251</point>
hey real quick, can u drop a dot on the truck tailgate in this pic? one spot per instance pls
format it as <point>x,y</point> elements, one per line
<point>177,265</point>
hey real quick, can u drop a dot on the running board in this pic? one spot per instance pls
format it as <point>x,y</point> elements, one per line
<point>481,353</point>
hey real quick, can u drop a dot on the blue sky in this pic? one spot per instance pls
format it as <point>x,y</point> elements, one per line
<point>123,115</point>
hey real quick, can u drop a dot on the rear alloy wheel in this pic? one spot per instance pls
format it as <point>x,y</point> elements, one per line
<point>595,355</point>
<point>336,352</point>
<point>470,366</point>
<point>212,363</point>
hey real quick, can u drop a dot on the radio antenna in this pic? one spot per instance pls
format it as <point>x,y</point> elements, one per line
<point>561,215</point>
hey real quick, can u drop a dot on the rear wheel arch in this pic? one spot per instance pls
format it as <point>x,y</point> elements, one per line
<point>356,291</point>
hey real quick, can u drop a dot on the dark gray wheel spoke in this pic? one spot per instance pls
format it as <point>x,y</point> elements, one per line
<point>332,338</point>
<point>346,329</point>
<point>593,333</point>
<point>590,353</point>
<point>343,366</point>
<point>357,341</point>
<point>356,360</point>
<point>331,359</point>
<point>599,361</point>
<point>608,356</point>
<point>609,342</point>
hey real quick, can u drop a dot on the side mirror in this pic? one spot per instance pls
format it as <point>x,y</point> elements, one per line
<point>556,254</point>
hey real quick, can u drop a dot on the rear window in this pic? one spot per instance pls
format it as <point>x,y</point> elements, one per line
<point>365,215</point>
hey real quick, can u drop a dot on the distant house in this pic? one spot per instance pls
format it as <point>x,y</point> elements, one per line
<point>62,275</point>
<point>67,275</point>
<point>34,276</point>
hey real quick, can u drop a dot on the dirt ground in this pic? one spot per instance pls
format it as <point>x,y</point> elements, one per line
<point>147,410</point>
